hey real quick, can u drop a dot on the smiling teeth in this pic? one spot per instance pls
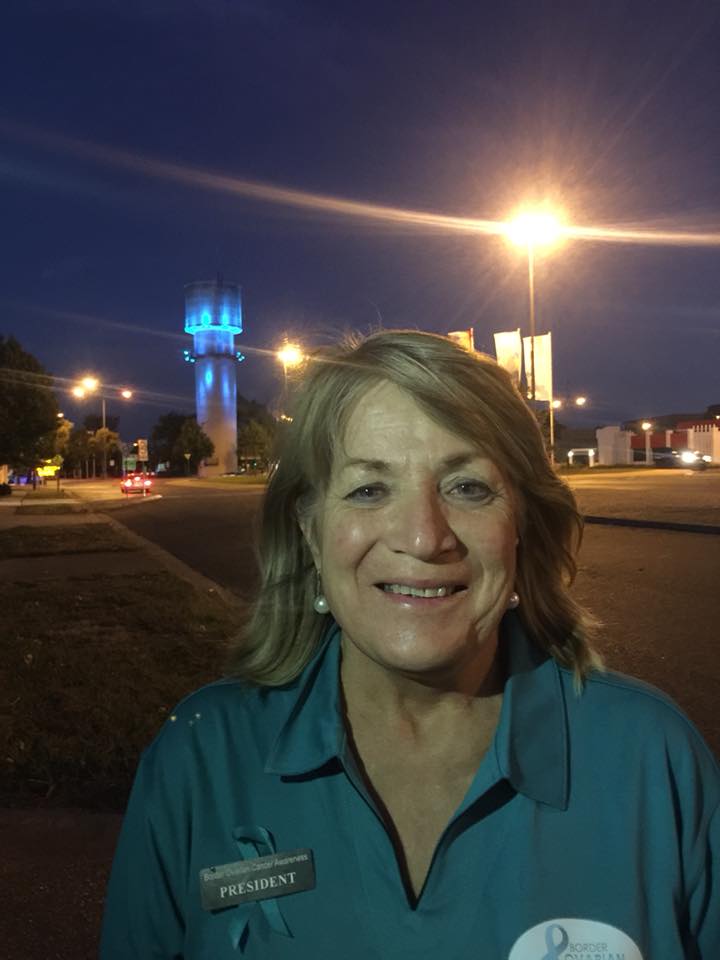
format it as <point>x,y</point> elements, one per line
<point>417,591</point>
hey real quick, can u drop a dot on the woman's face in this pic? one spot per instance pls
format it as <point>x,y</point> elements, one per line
<point>415,540</point>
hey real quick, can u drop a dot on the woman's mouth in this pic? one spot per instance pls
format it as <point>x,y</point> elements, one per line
<point>427,593</point>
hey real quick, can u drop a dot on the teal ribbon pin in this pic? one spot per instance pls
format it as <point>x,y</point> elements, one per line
<point>254,841</point>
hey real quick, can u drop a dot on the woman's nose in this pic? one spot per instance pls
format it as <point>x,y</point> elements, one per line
<point>419,526</point>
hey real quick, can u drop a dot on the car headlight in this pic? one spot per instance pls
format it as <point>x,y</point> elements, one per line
<point>687,456</point>
<point>707,458</point>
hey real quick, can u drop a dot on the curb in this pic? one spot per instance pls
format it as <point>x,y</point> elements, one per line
<point>174,565</point>
<point>677,527</point>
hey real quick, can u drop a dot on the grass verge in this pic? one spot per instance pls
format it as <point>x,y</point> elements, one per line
<point>27,541</point>
<point>93,666</point>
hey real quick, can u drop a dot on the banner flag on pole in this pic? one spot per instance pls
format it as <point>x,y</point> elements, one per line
<point>464,338</point>
<point>543,366</point>
<point>508,351</point>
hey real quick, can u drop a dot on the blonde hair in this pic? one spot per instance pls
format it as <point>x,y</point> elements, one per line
<point>470,395</point>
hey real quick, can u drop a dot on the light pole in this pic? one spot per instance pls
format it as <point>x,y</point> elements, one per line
<point>289,355</point>
<point>90,385</point>
<point>647,427</point>
<point>533,230</point>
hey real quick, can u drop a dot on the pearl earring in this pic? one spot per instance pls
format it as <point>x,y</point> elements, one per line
<point>513,601</point>
<point>320,604</point>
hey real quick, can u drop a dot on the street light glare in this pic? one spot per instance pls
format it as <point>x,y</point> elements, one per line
<point>78,392</point>
<point>646,425</point>
<point>126,394</point>
<point>90,383</point>
<point>290,355</point>
<point>557,404</point>
<point>534,229</point>
<point>580,401</point>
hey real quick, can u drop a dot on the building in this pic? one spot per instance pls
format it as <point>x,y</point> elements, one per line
<point>627,444</point>
<point>213,316</point>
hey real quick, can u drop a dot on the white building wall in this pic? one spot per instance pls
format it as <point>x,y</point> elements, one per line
<point>705,438</point>
<point>613,445</point>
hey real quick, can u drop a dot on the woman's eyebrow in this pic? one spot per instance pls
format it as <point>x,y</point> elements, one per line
<point>452,462</point>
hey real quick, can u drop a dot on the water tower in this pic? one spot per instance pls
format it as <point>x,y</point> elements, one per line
<point>213,315</point>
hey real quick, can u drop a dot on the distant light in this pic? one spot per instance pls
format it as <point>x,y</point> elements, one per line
<point>557,404</point>
<point>534,229</point>
<point>60,416</point>
<point>126,394</point>
<point>290,355</point>
<point>78,392</point>
<point>580,401</point>
<point>90,383</point>
<point>646,425</point>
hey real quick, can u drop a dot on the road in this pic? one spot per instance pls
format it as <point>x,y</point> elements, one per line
<point>655,591</point>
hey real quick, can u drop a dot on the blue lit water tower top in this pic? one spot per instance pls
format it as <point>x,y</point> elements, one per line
<point>213,315</point>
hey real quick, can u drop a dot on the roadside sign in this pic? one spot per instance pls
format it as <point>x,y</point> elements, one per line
<point>129,463</point>
<point>142,450</point>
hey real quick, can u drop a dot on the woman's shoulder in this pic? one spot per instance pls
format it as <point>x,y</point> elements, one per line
<point>220,717</point>
<point>625,712</point>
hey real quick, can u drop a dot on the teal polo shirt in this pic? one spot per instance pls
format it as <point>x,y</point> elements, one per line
<point>591,831</point>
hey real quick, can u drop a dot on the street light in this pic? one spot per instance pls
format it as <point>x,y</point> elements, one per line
<point>289,355</point>
<point>535,230</point>
<point>90,385</point>
<point>558,402</point>
<point>532,230</point>
<point>647,427</point>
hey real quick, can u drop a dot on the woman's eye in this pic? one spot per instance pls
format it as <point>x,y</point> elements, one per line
<point>368,493</point>
<point>471,490</point>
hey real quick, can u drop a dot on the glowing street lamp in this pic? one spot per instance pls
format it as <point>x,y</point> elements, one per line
<point>90,385</point>
<point>580,401</point>
<point>533,229</point>
<point>290,355</point>
<point>647,427</point>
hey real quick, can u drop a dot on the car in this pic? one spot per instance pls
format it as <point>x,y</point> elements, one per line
<point>692,459</point>
<point>136,483</point>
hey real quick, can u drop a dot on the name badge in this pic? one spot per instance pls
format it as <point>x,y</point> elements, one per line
<point>260,878</point>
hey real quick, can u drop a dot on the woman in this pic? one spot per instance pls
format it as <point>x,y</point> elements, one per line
<point>421,754</point>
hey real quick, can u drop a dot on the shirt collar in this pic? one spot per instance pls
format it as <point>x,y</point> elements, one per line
<point>531,742</point>
<point>314,732</point>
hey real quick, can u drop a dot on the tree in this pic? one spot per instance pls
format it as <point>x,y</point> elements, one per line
<point>248,410</point>
<point>164,437</point>
<point>81,451</point>
<point>193,440</point>
<point>28,406</point>
<point>254,442</point>
<point>106,443</point>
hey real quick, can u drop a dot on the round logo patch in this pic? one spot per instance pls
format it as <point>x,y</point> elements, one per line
<point>574,939</point>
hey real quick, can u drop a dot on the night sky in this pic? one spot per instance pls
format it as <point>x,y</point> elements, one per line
<point>609,109</point>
